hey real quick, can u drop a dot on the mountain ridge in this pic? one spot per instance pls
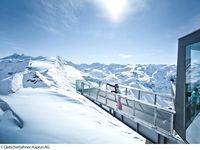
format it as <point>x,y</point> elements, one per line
<point>152,77</point>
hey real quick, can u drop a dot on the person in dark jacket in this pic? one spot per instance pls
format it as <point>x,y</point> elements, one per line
<point>117,91</point>
<point>116,88</point>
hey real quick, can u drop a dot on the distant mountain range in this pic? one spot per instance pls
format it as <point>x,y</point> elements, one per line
<point>55,72</point>
<point>151,77</point>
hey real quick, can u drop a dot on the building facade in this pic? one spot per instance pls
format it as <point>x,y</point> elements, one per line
<point>187,103</point>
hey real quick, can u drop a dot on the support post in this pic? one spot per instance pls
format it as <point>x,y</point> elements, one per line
<point>133,108</point>
<point>155,99</point>
<point>89,91</point>
<point>139,95</point>
<point>126,93</point>
<point>155,116</point>
<point>97,94</point>
<point>99,84</point>
<point>106,98</point>
<point>82,87</point>
<point>172,124</point>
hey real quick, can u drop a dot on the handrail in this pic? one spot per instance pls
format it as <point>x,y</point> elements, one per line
<point>136,100</point>
<point>136,89</point>
<point>149,92</point>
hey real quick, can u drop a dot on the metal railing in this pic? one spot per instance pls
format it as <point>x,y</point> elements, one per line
<point>149,114</point>
<point>163,100</point>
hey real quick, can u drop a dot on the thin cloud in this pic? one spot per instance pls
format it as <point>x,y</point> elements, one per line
<point>12,45</point>
<point>125,56</point>
<point>55,16</point>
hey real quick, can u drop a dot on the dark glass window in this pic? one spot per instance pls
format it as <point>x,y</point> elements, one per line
<point>192,101</point>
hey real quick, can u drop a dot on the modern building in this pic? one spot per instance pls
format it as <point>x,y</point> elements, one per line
<point>187,119</point>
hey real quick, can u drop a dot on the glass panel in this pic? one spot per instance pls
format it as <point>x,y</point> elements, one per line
<point>147,97</point>
<point>78,85</point>
<point>192,82</point>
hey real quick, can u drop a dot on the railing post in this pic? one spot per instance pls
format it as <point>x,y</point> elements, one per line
<point>89,91</point>
<point>97,94</point>
<point>139,95</point>
<point>172,124</point>
<point>99,84</point>
<point>126,92</point>
<point>106,93</point>
<point>134,108</point>
<point>106,98</point>
<point>155,99</point>
<point>155,116</point>
<point>82,87</point>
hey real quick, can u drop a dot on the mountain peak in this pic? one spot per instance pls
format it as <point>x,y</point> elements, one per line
<point>17,56</point>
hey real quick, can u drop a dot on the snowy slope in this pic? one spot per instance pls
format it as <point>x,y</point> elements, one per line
<point>51,116</point>
<point>151,77</point>
<point>39,104</point>
<point>19,71</point>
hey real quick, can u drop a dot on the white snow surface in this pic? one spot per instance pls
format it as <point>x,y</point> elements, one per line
<point>11,84</point>
<point>52,116</point>
<point>19,71</point>
<point>39,104</point>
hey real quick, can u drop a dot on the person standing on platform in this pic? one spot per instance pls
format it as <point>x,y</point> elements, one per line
<point>117,91</point>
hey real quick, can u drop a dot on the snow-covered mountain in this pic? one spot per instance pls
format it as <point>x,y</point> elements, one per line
<point>17,71</point>
<point>39,104</point>
<point>151,77</point>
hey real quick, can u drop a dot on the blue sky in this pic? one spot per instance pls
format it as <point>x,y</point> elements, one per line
<point>105,31</point>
